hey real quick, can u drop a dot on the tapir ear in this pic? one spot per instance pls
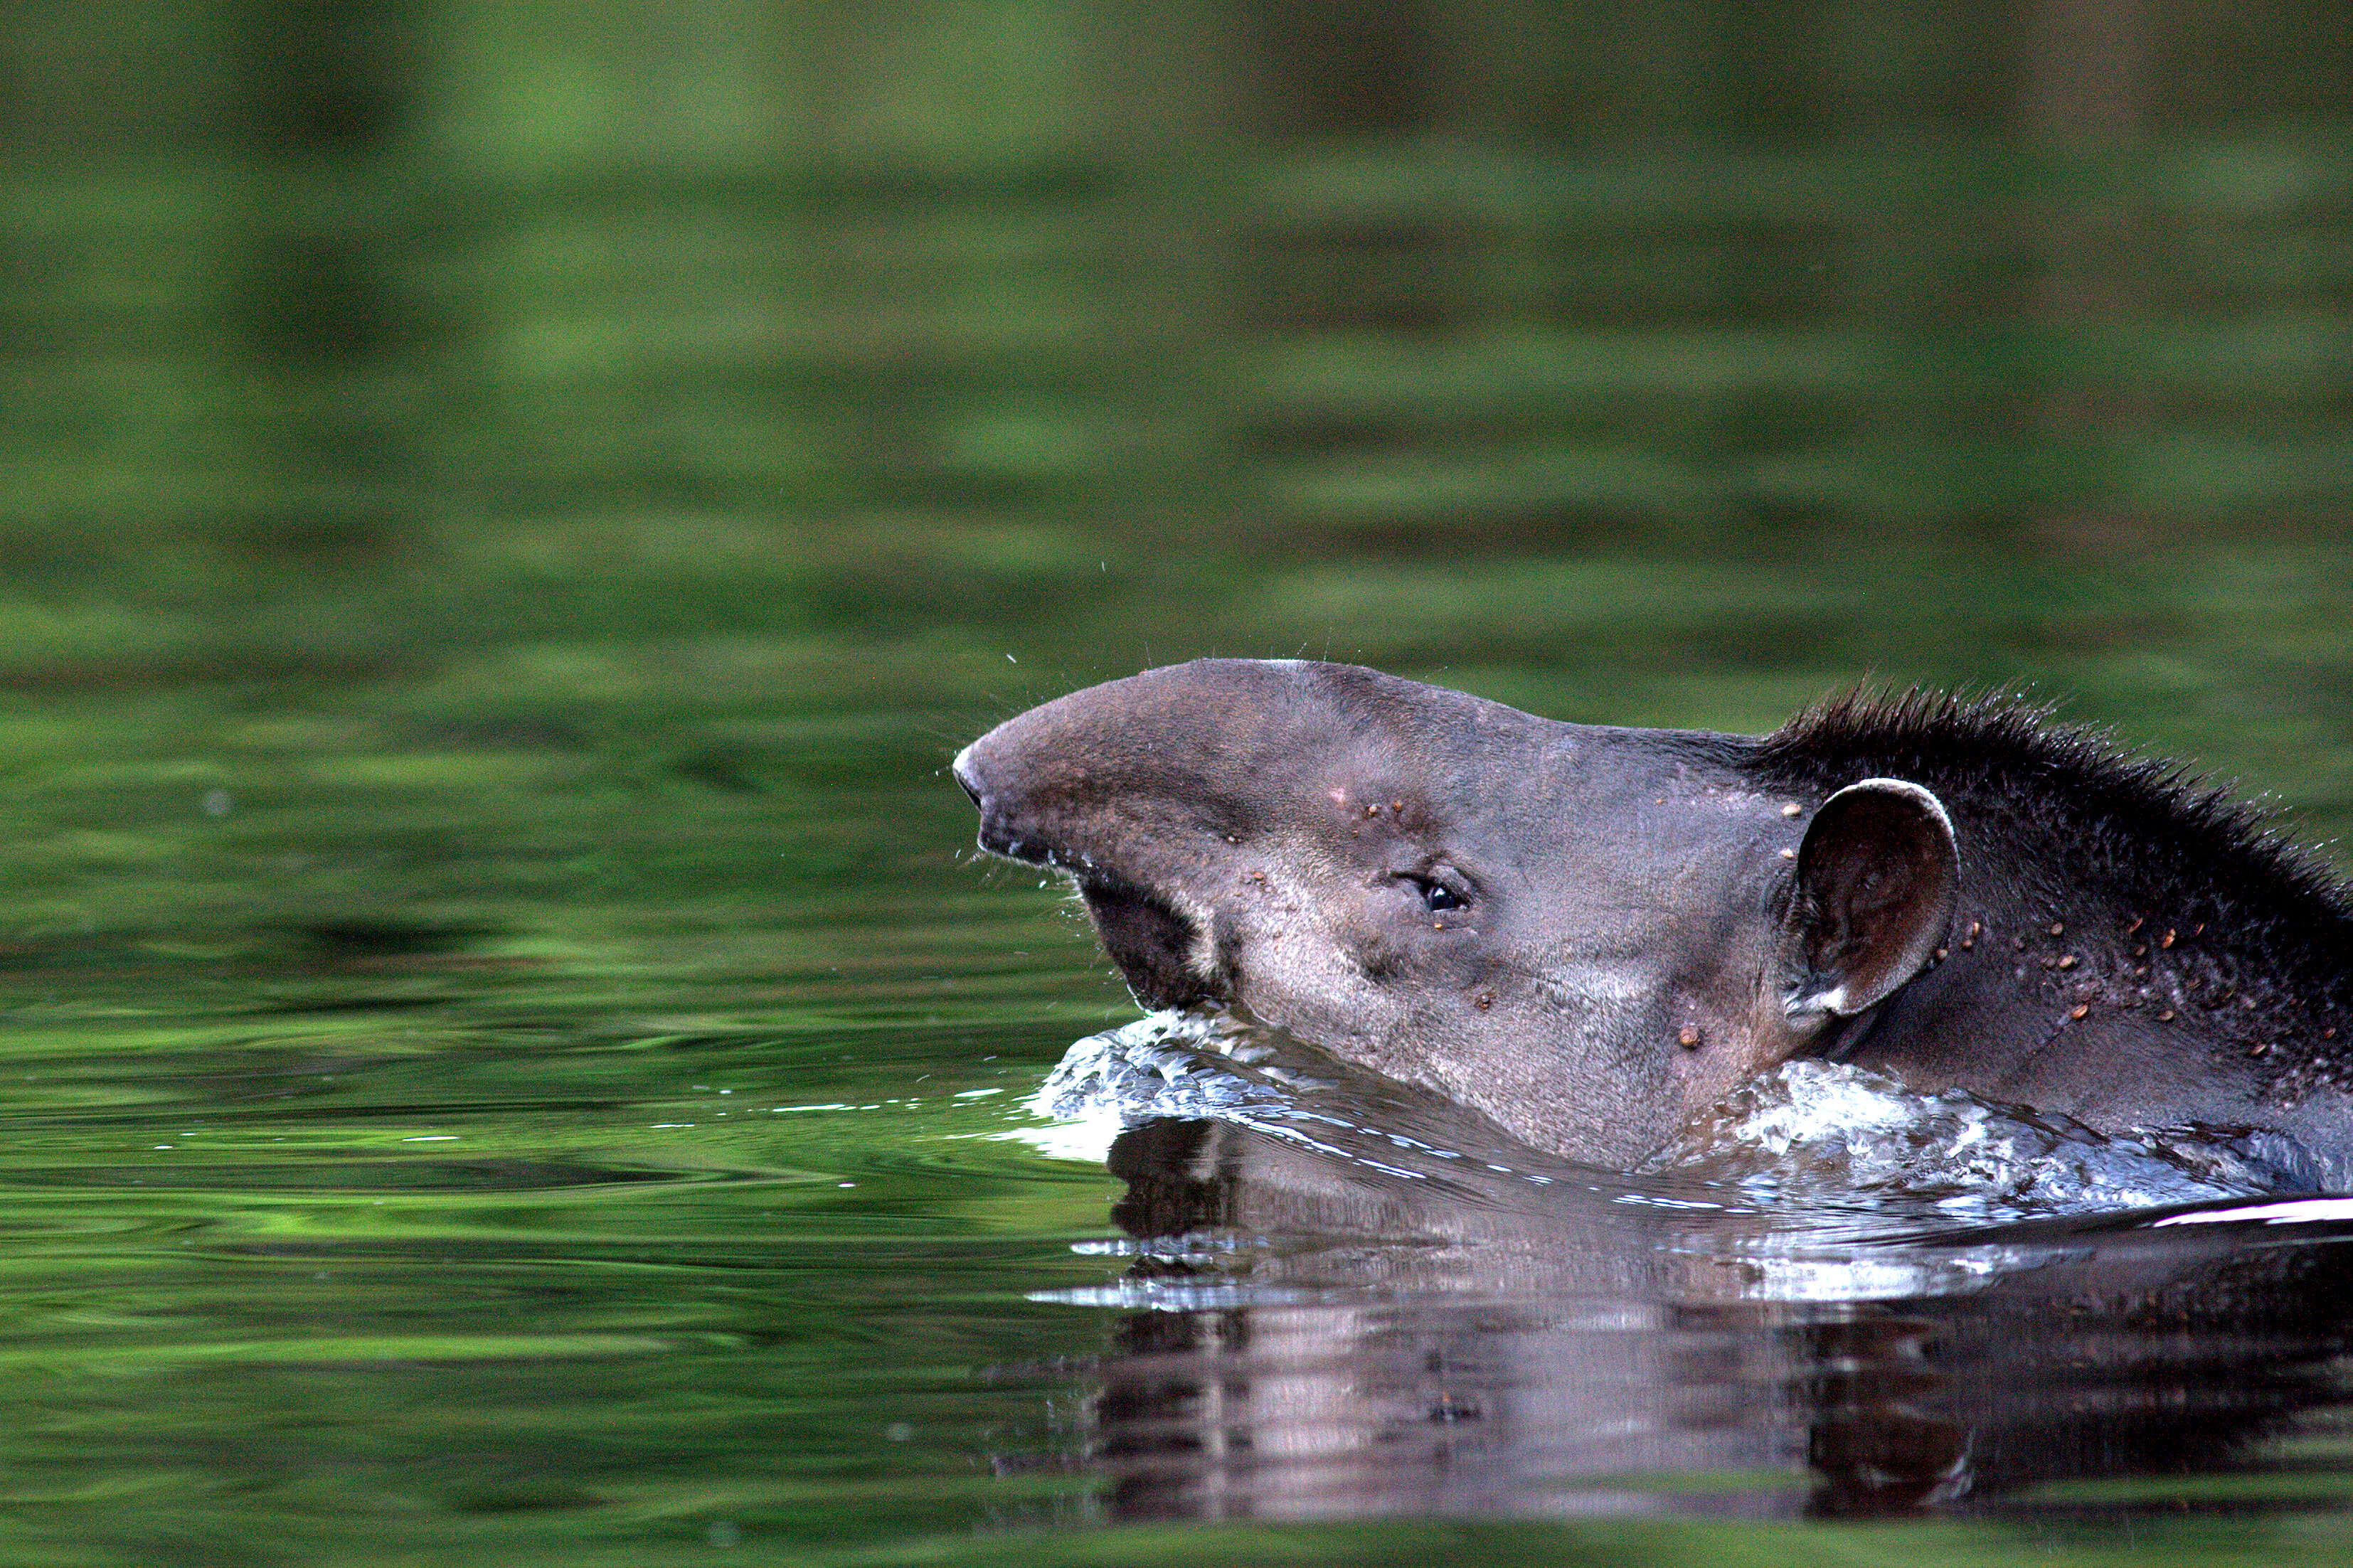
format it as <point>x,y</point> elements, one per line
<point>1877,875</point>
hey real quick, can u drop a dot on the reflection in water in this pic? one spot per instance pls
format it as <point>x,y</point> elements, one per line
<point>509,509</point>
<point>1353,1323</point>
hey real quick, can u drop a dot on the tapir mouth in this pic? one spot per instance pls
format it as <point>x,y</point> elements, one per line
<point>1163,953</point>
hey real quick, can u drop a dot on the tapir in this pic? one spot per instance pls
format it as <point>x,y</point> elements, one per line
<point>1591,934</point>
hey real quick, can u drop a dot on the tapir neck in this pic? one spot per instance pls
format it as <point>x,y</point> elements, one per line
<point>2126,1027</point>
<point>2122,935</point>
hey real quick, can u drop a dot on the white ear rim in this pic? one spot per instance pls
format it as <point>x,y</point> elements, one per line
<point>1904,787</point>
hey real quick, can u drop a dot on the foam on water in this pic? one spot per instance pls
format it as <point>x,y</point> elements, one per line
<point>1813,1130</point>
<point>1807,1134</point>
<point>1164,1064</point>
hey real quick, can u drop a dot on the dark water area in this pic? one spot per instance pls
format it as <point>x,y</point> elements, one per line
<point>1347,1298</point>
<point>507,1051</point>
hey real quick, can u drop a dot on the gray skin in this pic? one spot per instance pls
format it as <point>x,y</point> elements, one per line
<point>1587,934</point>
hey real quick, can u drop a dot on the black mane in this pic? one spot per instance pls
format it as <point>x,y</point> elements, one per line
<point>2059,826</point>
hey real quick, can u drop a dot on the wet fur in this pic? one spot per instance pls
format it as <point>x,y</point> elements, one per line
<point>2057,820</point>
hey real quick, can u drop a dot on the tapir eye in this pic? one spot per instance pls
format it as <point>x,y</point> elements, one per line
<point>1437,897</point>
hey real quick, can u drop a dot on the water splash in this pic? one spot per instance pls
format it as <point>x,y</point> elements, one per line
<point>1809,1134</point>
<point>1181,1065</point>
<point>1809,1130</point>
<point>1167,1064</point>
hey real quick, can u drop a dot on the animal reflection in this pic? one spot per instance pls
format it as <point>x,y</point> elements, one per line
<point>1321,1340</point>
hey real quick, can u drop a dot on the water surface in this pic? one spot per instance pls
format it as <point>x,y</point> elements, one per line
<point>566,1099</point>
<point>507,1053</point>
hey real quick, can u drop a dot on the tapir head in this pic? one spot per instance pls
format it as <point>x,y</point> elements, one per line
<point>1590,934</point>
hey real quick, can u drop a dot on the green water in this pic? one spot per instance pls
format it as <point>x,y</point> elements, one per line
<point>536,1091</point>
<point>505,516</point>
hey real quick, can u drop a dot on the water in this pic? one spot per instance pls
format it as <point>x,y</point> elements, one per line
<point>1346,1298</point>
<point>559,1090</point>
<point>1807,1134</point>
<point>507,1053</point>
<point>563,1096</point>
<point>1817,1128</point>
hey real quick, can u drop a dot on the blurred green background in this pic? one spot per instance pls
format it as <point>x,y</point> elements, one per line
<point>568,365</point>
<point>507,508</point>
<point>344,334</point>
<point>1667,363</point>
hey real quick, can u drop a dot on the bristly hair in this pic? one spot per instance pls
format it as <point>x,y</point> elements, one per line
<point>2058,817</point>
